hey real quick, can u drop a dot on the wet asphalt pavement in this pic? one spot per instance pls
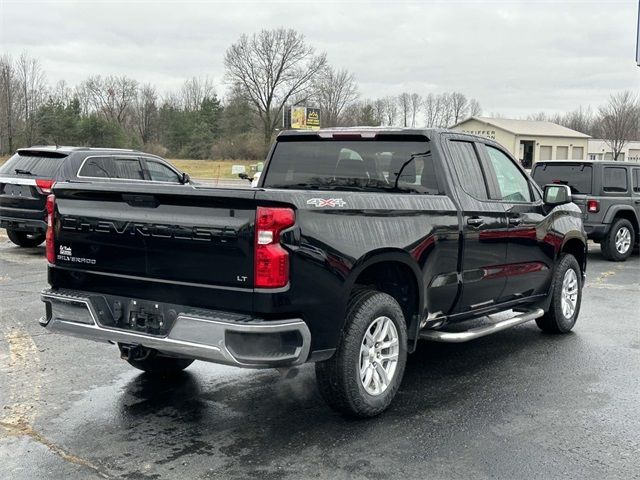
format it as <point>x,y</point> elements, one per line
<point>518,404</point>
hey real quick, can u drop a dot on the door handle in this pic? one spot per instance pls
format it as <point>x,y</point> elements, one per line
<point>475,221</point>
<point>515,221</point>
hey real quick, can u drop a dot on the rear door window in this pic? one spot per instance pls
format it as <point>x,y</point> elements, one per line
<point>159,172</point>
<point>615,180</point>
<point>467,166</point>
<point>636,180</point>
<point>124,168</point>
<point>578,176</point>
<point>32,165</point>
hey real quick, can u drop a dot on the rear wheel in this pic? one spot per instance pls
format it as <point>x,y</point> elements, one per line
<point>25,239</point>
<point>151,361</point>
<point>566,297</point>
<point>618,244</point>
<point>364,374</point>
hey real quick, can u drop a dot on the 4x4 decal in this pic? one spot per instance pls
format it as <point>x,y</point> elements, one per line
<point>327,202</point>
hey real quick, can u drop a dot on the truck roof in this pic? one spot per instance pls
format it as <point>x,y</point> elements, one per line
<point>69,149</point>
<point>364,131</point>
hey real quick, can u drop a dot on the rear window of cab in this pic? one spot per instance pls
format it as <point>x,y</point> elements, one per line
<point>32,165</point>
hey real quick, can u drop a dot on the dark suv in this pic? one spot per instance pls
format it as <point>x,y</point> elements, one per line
<point>27,177</point>
<point>608,193</point>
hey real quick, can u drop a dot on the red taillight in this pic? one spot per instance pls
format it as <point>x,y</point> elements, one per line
<point>44,185</point>
<point>49,242</point>
<point>272,261</point>
<point>593,206</point>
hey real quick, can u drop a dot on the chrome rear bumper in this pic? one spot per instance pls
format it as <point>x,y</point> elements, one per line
<point>200,336</point>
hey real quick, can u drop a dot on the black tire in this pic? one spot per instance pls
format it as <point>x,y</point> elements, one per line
<point>155,363</point>
<point>608,245</point>
<point>339,379</point>
<point>555,320</point>
<point>25,239</point>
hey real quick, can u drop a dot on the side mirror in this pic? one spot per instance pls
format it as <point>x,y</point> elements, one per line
<point>185,178</point>
<point>556,194</point>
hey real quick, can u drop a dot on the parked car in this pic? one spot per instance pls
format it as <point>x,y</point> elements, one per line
<point>608,194</point>
<point>355,244</point>
<point>27,177</point>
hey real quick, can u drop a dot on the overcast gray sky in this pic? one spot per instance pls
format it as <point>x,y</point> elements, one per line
<point>515,57</point>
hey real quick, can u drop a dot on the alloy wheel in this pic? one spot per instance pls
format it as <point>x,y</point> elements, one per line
<point>379,355</point>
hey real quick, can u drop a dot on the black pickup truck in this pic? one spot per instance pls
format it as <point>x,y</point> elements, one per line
<point>355,244</point>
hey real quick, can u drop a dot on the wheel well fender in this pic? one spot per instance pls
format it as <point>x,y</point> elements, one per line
<point>393,272</point>
<point>577,247</point>
<point>622,211</point>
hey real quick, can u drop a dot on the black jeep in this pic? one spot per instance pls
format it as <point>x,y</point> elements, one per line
<point>27,177</point>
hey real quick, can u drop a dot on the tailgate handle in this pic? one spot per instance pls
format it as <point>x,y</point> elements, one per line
<point>136,200</point>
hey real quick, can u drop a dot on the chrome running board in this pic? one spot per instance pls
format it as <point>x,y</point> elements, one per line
<point>483,331</point>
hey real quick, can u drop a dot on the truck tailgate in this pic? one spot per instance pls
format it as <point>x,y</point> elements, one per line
<point>175,234</point>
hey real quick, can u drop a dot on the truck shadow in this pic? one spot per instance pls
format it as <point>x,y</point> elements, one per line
<point>21,252</point>
<point>257,419</point>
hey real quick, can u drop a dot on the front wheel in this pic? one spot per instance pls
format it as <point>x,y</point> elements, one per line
<point>364,374</point>
<point>566,297</point>
<point>25,239</point>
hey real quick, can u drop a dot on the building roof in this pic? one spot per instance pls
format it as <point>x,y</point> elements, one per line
<point>633,163</point>
<point>528,127</point>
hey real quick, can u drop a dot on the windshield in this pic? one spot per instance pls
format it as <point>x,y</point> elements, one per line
<point>577,176</point>
<point>31,166</point>
<point>370,165</point>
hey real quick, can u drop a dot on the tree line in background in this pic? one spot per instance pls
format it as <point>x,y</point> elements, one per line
<point>265,72</point>
<point>617,122</point>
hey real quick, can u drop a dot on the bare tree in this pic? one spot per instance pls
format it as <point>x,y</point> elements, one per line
<point>445,110</point>
<point>61,93</point>
<point>416,103</point>
<point>112,96</point>
<point>538,117</point>
<point>404,102</point>
<point>81,92</point>
<point>270,67</point>
<point>32,84</point>
<point>334,91</point>
<point>9,100</point>
<point>194,91</point>
<point>390,109</point>
<point>581,119</point>
<point>431,108</point>
<point>475,110</point>
<point>459,107</point>
<point>146,111</point>
<point>379,110</point>
<point>619,120</point>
